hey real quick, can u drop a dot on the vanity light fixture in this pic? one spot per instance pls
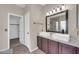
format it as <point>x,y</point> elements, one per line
<point>58,9</point>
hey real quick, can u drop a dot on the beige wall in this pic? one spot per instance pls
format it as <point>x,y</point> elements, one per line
<point>35,16</point>
<point>72,20</point>
<point>4,10</point>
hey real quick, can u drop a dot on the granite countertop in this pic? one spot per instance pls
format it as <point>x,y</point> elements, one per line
<point>73,41</point>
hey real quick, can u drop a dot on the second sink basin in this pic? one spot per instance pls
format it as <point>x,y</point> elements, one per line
<point>63,37</point>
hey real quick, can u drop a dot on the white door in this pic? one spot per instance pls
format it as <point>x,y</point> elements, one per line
<point>21,31</point>
<point>27,29</point>
<point>78,24</point>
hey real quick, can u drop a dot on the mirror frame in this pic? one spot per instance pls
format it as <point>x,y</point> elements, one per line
<point>66,11</point>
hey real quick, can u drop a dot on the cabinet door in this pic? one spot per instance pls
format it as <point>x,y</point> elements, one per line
<point>45,45</point>
<point>66,49</point>
<point>53,47</point>
<point>77,50</point>
<point>39,42</point>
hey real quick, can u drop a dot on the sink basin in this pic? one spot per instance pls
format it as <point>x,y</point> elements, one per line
<point>63,37</point>
<point>56,36</point>
<point>45,34</point>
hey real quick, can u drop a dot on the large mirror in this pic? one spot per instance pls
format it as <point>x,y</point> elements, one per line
<point>57,22</point>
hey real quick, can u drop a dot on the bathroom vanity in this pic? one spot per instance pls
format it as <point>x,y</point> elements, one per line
<point>56,39</point>
<point>49,45</point>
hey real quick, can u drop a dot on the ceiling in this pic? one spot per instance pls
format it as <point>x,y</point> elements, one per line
<point>23,5</point>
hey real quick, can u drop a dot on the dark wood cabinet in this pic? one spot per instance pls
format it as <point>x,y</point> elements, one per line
<point>53,47</point>
<point>39,42</point>
<point>66,49</point>
<point>42,44</point>
<point>77,50</point>
<point>45,45</point>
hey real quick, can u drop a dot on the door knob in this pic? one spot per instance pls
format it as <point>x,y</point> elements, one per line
<point>27,32</point>
<point>6,30</point>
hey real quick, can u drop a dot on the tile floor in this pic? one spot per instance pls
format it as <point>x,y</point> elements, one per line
<point>17,48</point>
<point>21,49</point>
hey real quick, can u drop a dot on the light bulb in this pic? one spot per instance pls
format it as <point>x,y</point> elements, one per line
<point>54,11</point>
<point>58,9</point>
<point>50,12</point>
<point>63,7</point>
<point>47,14</point>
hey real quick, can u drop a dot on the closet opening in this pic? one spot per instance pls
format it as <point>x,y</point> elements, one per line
<point>16,30</point>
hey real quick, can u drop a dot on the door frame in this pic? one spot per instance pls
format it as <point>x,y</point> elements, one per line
<point>9,25</point>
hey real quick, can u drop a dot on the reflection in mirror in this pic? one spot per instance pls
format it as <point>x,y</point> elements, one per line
<point>57,22</point>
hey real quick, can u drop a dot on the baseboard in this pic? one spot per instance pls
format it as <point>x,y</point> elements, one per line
<point>4,49</point>
<point>30,49</point>
<point>33,49</point>
<point>14,38</point>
